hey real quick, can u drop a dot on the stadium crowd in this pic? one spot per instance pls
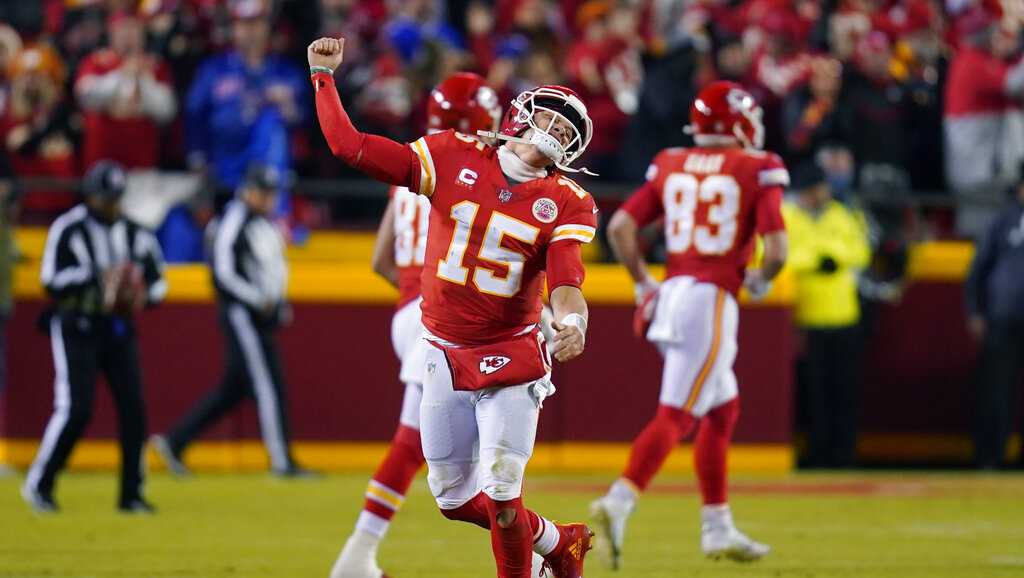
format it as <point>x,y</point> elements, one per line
<point>893,97</point>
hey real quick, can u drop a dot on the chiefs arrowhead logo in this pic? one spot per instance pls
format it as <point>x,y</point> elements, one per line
<point>492,363</point>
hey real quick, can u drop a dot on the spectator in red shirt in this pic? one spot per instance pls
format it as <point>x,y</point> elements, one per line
<point>604,67</point>
<point>782,66</point>
<point>36,126</point>
<point>125,95</point>
<point>983,120</point>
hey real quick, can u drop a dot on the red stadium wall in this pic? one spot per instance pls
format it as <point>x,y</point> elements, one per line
<point>916,402</point>
<point>341,374</point>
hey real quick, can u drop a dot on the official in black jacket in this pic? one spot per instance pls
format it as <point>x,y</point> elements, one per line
<point>995,305</point>
<point>99,268</point>
<point>250,275</point>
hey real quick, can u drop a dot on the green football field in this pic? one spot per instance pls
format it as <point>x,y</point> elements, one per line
<point>252,526</point>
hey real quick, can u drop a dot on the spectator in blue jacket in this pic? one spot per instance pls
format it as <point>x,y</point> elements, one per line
<point>242,105</point>
<point>995,306</point>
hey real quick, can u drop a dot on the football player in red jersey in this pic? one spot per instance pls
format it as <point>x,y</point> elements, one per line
<point>465,103</point>
<point>503,220</point>
<point>715,198</point>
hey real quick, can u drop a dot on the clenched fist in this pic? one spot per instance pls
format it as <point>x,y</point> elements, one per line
<point>326,52</point>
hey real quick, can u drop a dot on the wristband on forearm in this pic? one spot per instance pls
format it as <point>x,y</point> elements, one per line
<point>577,321</point>
<point>316,69</point>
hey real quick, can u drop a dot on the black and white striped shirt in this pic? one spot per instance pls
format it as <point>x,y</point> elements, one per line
<point>248,259</point>
<point>80,247</point>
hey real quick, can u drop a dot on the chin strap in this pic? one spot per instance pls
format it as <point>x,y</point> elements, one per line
<point>583,170</point>
<point>517,139</point>
<point>499,136</point>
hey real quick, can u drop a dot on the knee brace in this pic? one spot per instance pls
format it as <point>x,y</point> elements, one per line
<point>502,475</point>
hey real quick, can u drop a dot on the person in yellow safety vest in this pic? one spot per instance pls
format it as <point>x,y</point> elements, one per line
<point>828,248</point>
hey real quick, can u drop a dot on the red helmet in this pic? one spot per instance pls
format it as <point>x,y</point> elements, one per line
<point>724,112</point>
<point>464,102</point>
<point>563,103</point>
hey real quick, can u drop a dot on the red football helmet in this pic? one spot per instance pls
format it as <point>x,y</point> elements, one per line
<point>463,102</point>
<point>724,112</point>
<point>563,103</point>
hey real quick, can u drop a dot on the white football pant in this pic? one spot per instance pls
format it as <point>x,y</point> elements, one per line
<point>695,327</point>
<point>475,441</point>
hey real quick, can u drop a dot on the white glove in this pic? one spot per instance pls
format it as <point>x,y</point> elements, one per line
<point>644,288</point>
<point>756,284</point>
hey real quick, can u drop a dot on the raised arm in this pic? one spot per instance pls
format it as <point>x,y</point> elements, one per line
<point>381,158</point>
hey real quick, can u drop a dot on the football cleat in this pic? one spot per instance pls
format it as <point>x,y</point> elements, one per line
<point>730,543</point>
<point>610,516</point>
<point>135,506</point>
<point>39,502</point>
<point>358,559</point>
<point>170,459</point>
<point>566,561</point>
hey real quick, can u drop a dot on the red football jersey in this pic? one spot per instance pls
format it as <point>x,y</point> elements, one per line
<point>411,214</point>
<point>487,241</point>
<point>132,141</point>
<point>713,200</point>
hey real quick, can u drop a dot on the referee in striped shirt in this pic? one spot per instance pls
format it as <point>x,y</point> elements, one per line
<point>250,276</point>
<point>99,268</point>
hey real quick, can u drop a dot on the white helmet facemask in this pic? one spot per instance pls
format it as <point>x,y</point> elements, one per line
<point>545,137</point>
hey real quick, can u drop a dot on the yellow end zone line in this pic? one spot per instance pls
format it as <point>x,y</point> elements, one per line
<point>345,456</point>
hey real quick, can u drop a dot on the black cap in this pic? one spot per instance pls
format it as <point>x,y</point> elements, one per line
<point>106,180</point>
<point>807,175</point>
<point>263,177</point>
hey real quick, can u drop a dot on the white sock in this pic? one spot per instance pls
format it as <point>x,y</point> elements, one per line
<point>716,517</point>
<point>624,491</point>
<point>546,539</point>
<point>372,525</point>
